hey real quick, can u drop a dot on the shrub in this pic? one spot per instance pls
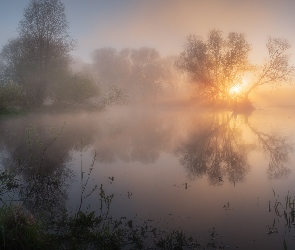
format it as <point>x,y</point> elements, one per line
<point>20,230</point>
<point>75,88</point>
<point>11,96</point>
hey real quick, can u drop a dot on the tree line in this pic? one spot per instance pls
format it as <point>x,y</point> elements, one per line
<point>35,67</point>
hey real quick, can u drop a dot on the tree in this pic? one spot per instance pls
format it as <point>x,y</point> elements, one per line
<point>148,72</point>
<point>74,88</point>
<point>112,67</point>
<point>10,96</point>
<point>276,69</point>
<point>141,71</point>
<point>218,65</point>
<point>41,49</point>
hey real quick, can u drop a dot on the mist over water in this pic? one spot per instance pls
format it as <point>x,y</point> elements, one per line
<point>170,129</point>
<point>179,167</point>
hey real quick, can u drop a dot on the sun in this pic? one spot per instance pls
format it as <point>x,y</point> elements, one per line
<point>237,89</point>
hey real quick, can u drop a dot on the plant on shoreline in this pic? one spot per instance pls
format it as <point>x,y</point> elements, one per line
<point>284,209</point>
<point>20,230</point>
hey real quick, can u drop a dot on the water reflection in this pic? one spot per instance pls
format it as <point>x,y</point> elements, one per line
<point>216,149</point>
<point>142,139</point>
<point>37,148</point>
<point>215,145</point>
<point>278,148</point>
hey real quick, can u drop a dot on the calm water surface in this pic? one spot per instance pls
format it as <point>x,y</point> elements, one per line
<point>177,167</point>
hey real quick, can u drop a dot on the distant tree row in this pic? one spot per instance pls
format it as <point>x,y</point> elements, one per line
<point>143,73</point>
<point>35,67</point>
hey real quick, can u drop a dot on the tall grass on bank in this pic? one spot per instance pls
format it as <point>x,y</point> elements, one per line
<point>21,230</point>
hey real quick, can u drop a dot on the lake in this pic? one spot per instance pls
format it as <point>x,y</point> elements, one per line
<point>214,174</point>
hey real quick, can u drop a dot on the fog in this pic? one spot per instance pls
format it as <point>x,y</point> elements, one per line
<point>150,117</point>
<point>162,27</point>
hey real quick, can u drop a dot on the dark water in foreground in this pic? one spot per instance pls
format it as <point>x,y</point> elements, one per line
<point>179,168</point>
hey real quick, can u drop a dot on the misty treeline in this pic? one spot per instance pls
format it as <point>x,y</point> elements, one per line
<point>36,67</point>
<point>141,73</point>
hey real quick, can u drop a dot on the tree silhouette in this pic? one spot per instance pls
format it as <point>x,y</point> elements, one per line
<point>217,66</point>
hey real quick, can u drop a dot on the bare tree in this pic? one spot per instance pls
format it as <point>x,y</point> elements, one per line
<point>277,68</point>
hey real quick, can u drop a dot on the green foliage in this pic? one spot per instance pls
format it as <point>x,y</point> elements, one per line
<point>75,88</point>
<point>20,230</point>
<point>11,96</point>
<point>41,49</point>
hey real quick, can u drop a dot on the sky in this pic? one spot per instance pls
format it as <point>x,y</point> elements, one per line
<point>162,24</point>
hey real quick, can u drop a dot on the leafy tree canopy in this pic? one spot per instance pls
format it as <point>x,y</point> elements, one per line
<point>41,49</point>
<point>218,64</point>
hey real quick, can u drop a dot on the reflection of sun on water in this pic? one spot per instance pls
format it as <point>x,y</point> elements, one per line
<point>238,88</point>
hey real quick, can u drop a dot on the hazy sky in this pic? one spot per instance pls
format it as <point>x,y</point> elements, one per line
<point>163,24</point>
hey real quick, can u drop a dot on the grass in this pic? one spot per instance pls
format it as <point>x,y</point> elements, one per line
<point>284,209</point>
<point>20,230</point>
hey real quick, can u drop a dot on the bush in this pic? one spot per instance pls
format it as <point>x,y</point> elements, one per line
<point>20,230</point>
<point>11,96</point>
<point>75,88</point>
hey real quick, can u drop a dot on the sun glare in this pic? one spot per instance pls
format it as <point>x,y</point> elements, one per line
<point>235,90</point>
<point>238,88</point>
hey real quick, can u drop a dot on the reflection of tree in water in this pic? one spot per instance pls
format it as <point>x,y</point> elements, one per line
<point>215,149</point>
<point>278,148</point>
<point>46,194</point>
<point>39,154</point>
